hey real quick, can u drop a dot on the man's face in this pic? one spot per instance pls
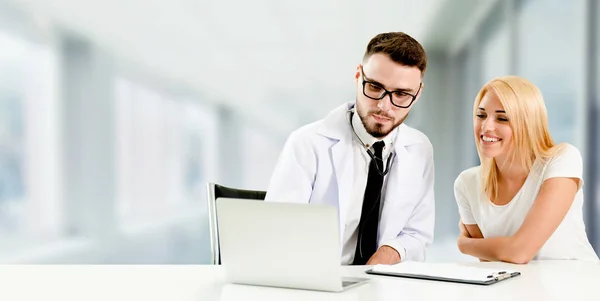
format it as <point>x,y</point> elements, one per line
<point>380,117</point>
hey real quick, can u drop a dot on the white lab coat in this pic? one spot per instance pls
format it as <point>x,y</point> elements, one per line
<point>317,166</point>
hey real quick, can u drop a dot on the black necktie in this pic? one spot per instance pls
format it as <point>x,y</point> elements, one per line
<point>369,217</point>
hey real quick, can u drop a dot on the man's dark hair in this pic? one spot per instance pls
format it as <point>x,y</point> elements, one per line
<point>400,47</point>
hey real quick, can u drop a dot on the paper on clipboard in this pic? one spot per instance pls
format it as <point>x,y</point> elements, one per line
<point>444,271</point>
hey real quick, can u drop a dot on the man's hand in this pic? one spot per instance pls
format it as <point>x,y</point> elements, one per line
<point>384,255</point>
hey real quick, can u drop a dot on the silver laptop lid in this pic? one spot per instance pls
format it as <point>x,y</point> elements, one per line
<point>279,244</point>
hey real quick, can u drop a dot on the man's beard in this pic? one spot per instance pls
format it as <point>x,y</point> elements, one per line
<point>377,130</point>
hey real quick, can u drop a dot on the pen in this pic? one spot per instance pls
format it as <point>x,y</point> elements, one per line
<point>501,275</point>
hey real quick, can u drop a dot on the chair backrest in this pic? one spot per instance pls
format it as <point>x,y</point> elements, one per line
<point>216,191</point>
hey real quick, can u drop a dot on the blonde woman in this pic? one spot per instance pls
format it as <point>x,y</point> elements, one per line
<point>525,200</point>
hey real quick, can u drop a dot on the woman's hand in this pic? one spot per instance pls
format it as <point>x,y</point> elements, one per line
<point>463,229</point>
<point>464,233</point>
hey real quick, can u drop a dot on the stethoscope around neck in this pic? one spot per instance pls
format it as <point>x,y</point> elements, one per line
<point>390,159</point>
<point>381,173</point>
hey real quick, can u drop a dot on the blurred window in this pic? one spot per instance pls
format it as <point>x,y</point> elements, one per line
<point>495,39</point>
<point>551,52</point>
<point>29,170</point>
<point>261,151</point>
<point>166,148</point>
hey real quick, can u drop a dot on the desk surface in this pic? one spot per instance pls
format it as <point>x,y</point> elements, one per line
<point>548,280</point>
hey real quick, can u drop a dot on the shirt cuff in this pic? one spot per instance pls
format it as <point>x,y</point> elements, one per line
<point>396,246</point>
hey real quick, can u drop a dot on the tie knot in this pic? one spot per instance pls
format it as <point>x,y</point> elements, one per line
<point>378,147</point>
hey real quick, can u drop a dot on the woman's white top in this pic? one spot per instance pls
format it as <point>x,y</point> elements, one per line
<point>569,241</point>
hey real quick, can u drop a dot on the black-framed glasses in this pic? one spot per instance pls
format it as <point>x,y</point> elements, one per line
<point>376,91</point>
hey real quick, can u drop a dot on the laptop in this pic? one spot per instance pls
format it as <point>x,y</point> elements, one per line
<point>281,245</point>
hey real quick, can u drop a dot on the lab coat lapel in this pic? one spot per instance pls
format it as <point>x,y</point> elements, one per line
<point>343,163</point>
<point>400,186</point>
<point>337,127</point>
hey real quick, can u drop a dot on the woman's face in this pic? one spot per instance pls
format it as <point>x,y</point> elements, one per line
<point>492,126</point>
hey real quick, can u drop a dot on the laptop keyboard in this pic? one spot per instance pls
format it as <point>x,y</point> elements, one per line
<point>347,283</point>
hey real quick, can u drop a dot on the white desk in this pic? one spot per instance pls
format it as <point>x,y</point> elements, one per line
<point>539,281</point>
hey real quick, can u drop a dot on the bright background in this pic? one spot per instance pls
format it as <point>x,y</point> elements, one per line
<point>114,114</point>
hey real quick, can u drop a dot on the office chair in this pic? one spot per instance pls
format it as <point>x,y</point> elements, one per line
<point>216,191</point>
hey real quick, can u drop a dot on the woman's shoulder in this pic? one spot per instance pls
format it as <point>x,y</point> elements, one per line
<point>468,177</point>
<point>568,150</point>
<point>565,162</point>
<point>565,152</point>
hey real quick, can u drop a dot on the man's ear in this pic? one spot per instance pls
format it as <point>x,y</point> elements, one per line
<point>420,92</point>
<point>357,74</point>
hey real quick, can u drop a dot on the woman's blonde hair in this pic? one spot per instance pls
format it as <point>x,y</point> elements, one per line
<point>528,119</point>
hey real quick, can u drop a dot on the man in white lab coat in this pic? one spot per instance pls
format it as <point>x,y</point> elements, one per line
<point>362,159</point>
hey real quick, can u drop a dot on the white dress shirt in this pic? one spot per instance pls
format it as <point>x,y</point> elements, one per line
<point>361,172</point>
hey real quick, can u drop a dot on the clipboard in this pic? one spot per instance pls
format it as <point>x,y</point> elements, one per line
<point>447,272</point>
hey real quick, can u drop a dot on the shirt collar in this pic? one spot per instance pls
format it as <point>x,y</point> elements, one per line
<point>366,138</point>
